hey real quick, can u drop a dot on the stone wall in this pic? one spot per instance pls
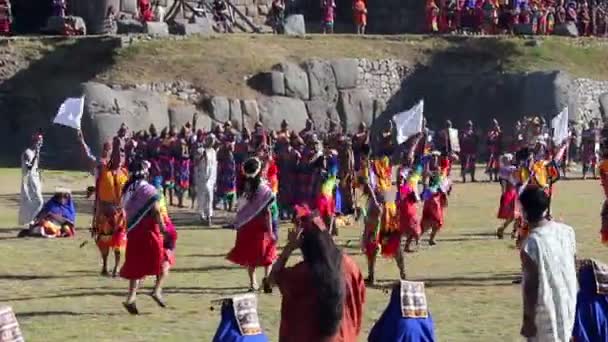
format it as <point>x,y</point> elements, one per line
<point>589,97</point>
<point>381,77</point>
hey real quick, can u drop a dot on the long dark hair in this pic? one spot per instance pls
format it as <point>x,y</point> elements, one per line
<point>250,185</point>
<point>325,262</point>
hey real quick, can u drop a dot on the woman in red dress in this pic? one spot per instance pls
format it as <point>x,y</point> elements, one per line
<point>145,254</point>
<point>255,244</point>
<point>145,11</point>
<point>435,196</point>
<point>509,208</point>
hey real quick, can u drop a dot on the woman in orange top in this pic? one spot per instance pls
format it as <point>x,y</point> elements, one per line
<point>323,295</point>
<point>604,181</point>
<point>360,13</point>
<point>109,223</point>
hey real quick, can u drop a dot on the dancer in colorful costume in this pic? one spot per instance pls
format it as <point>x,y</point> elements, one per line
<point>509,206</point>
<point>326,200</point>
<point>182,167</point>
<point>590,148</point>
<point>255,243</point>
<point>146,226</point>
<point>109,224</point>
<point>56,218</point>
<point>494,144</point>
<point>408,178</point>
<point>381,233</point>
<point>435,195</point>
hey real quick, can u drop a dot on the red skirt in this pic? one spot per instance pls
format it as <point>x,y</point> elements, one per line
<point>170,241</point>
<point>432,212</point>
<point>508,205</point>
<point>145,252</point>
<point>254,245</point>
<point>408,222</point>
<point>604,230</point>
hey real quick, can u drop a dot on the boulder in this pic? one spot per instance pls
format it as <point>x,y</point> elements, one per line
<point>198,26</point>
<point>295,25</point>
<point>603,99</point>
<point>355,106</point>
<point>129,6</point>
<point>106,109</point>
<point>346,71</point>
<point>129,26</point>
<point>322,81</point>
<point>203,121</point>
<point>180,114</point>
<point>251,113</point>
<point>568,29</point>
<point>547,93</point>
<point>275,109</point>
<point>277,81</point>
<point>525,29</point>
<point>219,108</point>
<point>321,113</point>
<point>236,112</point>
<point>156,29</point>
<point>296,81</point>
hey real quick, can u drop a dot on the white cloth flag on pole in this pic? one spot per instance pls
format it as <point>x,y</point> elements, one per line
<point>409,122</point>
<point>560,127</point>
<point>70,112</point>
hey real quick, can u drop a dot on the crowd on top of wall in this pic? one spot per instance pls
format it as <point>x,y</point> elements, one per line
<point>542,17</point>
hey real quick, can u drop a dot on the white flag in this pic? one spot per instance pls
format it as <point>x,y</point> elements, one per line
<point>560,127</point>
<point>409,122</point>
<point>70,112</point>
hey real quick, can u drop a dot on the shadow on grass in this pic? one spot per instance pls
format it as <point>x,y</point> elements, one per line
<point>204,269</point>
<point>34,314</point>
<point>90,293</point>
<point>477,281</point>
<point>25,277</point>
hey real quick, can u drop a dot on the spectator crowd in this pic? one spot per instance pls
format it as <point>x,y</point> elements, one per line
<point>541,17</point>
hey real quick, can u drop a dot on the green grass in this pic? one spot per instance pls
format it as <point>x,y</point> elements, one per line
<point>54,286</point>
<point>220,65</point>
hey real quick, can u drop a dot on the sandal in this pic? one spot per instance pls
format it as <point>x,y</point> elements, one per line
<point>500,233</point>
<point>158,300</point>
<point>131,308</point>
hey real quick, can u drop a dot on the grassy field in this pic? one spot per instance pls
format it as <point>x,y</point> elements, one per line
<point>54,285</point>
<point>221,65</point>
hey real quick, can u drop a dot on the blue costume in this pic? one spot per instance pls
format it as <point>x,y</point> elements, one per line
<point>393,327</point>
<point>591,321</point>
<point>230,329</point>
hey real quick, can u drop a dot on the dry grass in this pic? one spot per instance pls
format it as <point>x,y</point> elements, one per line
<point>55,290</point>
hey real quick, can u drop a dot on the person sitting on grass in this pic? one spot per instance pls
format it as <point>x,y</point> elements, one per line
<point>56,218</point>
<point>323,295</point>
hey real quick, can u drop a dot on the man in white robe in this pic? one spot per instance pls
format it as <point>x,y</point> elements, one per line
<point>31,186</point>
<point>205,169</point>
<point>549,281</point>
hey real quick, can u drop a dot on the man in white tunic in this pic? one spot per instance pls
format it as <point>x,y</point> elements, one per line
<point>31,187</point>
<point>549,281</point>
<point>205,164</point>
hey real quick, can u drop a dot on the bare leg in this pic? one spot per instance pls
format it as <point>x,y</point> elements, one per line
<point>501,230</point>
<point>116,262</point>
<point>158,286</point>
<point>253,284</point>
<point>400,263</point>
<point>432,237</point>
<point>371,268</point>
<point>132,296</point>
<point>104,260</point>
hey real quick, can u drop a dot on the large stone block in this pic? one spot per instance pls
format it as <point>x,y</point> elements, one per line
<point>355,106</point>
<point>201,26</point>
<point>277,82</point>
<point>106,109</point>
<point>156,29</point>
<point>251,113</point>
<point>275,109</point>
<point>547,93</point>
<point>129,26</point>
<point>296,81</point>
<point>180,114</point>
<point>603,99</point>
<point>321,112</point>
<point>219,108</point>
<point>129,6</point>
<point>568,29</point>
<point>346,71</point>
<point>322,81</point>
<point>236,111</point>
<point>295,25</point>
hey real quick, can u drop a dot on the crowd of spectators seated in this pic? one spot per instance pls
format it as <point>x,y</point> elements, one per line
<point>542,17</point>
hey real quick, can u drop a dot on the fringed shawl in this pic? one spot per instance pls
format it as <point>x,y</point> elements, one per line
<point>138,200</point>
<point>251,207</point>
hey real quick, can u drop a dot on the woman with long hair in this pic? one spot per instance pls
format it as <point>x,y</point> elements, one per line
<point>323,295</point>
<point>145,253</point>
<point>255,244</point>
